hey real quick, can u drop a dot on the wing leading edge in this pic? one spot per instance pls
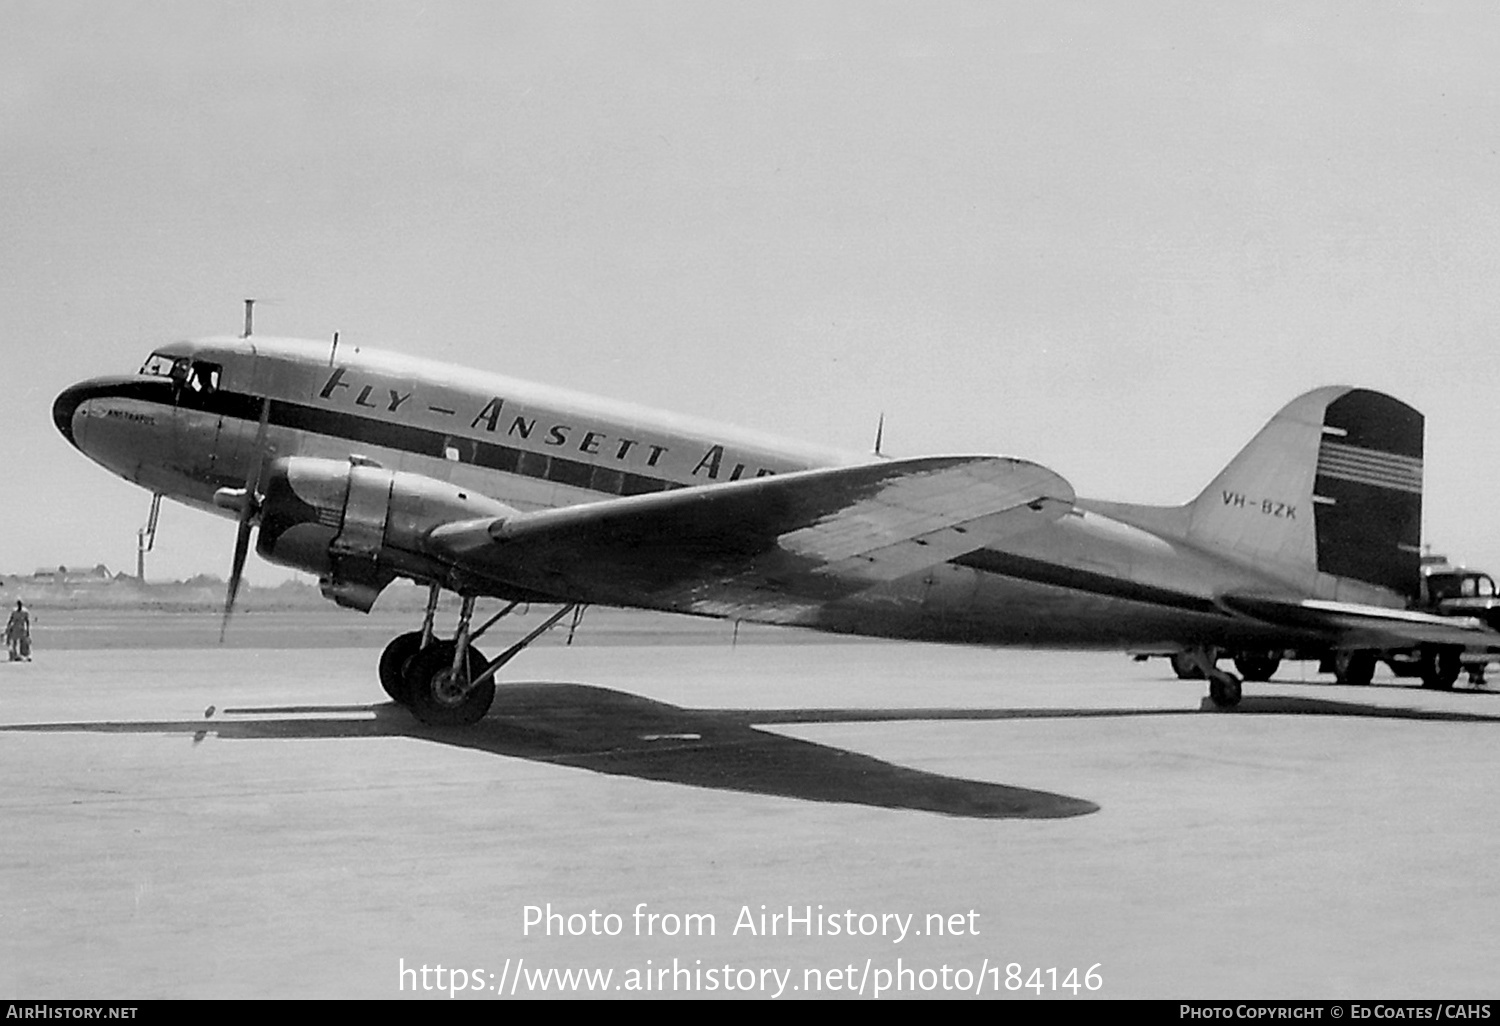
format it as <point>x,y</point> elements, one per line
<point>773,548</point>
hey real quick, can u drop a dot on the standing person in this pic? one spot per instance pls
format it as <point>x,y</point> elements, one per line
<point>18,633</point>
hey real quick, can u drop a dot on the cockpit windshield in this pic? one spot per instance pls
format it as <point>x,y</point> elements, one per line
<point>196,376</point>
<point>160,365</point>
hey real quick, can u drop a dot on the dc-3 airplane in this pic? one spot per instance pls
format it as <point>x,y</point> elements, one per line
<point>364,466</point>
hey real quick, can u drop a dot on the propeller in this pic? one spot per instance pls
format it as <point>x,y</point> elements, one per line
<point>248,502</point>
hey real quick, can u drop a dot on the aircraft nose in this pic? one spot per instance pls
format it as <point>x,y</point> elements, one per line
<point>63,409</point>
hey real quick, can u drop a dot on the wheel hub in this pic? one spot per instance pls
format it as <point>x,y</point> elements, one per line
<point>449,688</point>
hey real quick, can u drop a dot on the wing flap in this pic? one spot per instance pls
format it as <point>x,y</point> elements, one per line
<point>859,559</point>
<point>773,547</point>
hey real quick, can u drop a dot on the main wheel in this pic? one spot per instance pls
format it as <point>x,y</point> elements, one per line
<point>1224,689</point>
<point>438,697</point>
<point>1257,665</point>
<point>393,662</point>
<point>1354,667</point>
<point>1184,666</point>
<point>1440,666</point>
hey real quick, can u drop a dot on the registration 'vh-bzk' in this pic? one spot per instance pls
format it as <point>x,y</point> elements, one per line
<point>363,467</point>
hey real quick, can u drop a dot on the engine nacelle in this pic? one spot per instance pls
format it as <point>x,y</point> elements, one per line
<point>357,526</point>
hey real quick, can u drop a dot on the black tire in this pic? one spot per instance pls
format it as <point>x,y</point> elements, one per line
<point>1356,667</point>
<point>434,699</point>
<point>1257,666</point>
<point>1441,665</point>
<point>1184,666</point>
<point>1224,690</point>
<point>393,663</point>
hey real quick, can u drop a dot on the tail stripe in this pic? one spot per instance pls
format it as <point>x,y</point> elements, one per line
<point>1373,481</point>
<point>1400,471</point>
<point>1369,466</point>
<point>1370,457</point>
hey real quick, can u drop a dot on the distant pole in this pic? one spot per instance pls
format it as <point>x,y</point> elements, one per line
<point>140,555</point>
<point>249,316</point>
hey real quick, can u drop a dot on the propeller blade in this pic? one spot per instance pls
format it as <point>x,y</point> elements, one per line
<point>241,550</point>
<point>249,513</point>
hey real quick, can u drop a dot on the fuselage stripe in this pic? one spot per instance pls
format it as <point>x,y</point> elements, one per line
<point>423,441</point>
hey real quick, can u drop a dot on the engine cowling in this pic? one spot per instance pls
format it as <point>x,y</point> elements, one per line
<point>357,525</point>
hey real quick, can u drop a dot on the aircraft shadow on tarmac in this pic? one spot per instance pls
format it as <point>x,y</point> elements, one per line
<point>614,732</point>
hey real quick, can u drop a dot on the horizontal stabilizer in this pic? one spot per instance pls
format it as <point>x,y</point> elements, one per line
<point>1361,626</point>
<point>770,548</point>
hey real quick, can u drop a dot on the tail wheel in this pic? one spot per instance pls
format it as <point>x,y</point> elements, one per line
<point>393,662</point>
<point>1354,667</point>
<point>1224,689</point>
<point>1440,666</point>
<point>437,696</point>
<point>1257,665</point>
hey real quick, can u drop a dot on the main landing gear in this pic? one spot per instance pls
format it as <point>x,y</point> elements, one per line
<point>449,683</point>
<point>1223,687</point>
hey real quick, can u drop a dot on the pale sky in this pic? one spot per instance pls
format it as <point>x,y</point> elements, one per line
<point>1113,238</point>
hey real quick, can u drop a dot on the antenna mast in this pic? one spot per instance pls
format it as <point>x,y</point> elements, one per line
<point>249,317</point>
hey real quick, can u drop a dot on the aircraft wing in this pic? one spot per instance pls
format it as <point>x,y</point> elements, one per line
<point>774,548</point>
<point>1361,626</point>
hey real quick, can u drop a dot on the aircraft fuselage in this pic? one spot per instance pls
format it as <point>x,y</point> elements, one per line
<point>187,426</point>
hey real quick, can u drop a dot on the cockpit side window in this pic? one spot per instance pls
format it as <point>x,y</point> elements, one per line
<point>203,378</point>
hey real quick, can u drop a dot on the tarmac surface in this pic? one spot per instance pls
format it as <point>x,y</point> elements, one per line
<point>258,822</point>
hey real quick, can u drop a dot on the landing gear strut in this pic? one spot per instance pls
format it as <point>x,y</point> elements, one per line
<point>440,679</point>
<point>450,683</point>
<point>1185,666</point>
<point>442,693</point>
<point>1223,687</point>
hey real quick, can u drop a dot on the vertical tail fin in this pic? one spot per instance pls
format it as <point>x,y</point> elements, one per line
<point>1332,485</point>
